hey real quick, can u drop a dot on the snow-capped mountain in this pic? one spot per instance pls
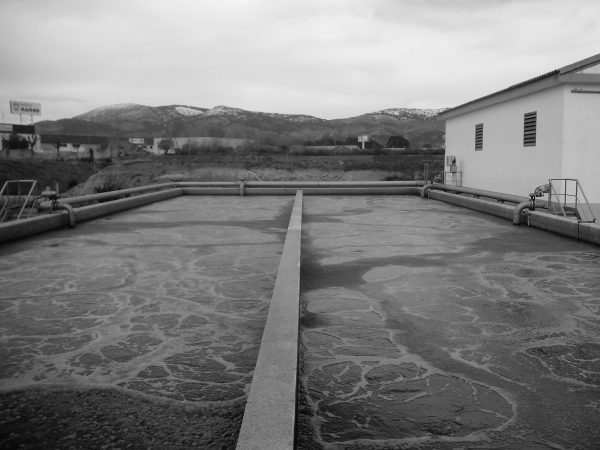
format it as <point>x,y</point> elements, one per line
<point>419,126</point>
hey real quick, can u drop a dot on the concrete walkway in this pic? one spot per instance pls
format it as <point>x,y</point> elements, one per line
<point>270,413</point>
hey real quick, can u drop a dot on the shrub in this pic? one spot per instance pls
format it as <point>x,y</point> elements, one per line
<point>393,178</point>
<point>111,183</point>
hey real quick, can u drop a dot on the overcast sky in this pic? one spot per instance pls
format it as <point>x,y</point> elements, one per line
<point>327,58</point>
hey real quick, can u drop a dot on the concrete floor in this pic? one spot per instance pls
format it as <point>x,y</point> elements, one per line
<point>431,326</point>
<point>167,301</point>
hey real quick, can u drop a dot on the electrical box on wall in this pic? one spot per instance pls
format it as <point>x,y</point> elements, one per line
<point>450,159</point>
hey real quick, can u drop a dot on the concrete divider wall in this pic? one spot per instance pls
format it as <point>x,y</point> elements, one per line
<point>18,229</point>
<point>10,231</point>
<point>270,414</point>
<point>555,224</point>
<point>590,232</point>
<point>474,199</point>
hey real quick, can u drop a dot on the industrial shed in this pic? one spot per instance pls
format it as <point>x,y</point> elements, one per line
<point>518,138</point>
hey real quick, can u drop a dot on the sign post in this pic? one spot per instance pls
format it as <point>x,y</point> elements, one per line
<point>20,108</point>
<point>363,139</point>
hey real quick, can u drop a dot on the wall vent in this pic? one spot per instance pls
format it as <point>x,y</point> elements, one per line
<point>530,129</point>
<point>479,136</point>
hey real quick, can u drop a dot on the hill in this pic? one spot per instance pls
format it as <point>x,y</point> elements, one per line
<point>419,126</point>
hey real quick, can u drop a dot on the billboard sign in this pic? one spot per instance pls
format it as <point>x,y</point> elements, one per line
<point>364,138</point>
<point>29,108</point>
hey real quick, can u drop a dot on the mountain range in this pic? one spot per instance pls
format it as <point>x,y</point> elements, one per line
<point>420,126</point>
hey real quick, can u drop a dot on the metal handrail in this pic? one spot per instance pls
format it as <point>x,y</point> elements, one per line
<point>21,200</point>
<point>4,208</point>
<point>453,178</point>
<point>581,208</point>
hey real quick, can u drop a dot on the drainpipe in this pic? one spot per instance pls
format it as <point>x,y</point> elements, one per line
<point>70,211</point>
<point>425,190</point>
<point>519,210</point>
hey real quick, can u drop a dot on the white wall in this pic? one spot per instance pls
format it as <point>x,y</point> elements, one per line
<point>581,156</point>
<point>504,164</point>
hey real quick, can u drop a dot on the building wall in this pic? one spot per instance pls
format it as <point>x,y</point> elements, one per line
<point>581,158</point>
<point>70,152</point>
<point>504,164</point>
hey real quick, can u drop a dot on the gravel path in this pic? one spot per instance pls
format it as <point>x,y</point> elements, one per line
<point>110,419</point>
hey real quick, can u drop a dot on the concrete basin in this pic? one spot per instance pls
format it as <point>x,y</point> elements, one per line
<point>139,329</point>
<point>430,326</point>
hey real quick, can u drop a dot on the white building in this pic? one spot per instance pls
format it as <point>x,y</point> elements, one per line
<point>516,139</point>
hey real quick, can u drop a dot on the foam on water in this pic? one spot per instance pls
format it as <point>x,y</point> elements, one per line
<point>173,312</point>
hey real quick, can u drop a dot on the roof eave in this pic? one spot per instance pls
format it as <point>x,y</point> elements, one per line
<point>527,87</point>
<point>553,78</point>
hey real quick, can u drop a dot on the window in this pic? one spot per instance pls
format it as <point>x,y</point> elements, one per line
<point>529,129</point>
<point>479,136</point>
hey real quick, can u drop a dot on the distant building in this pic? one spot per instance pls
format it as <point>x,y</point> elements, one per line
<point>73,146</point>
<point>143,143</point>
<point>26,135</point>
<point>516,139</point>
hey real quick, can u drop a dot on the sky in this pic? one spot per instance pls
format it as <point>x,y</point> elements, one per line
<point>326,58</point>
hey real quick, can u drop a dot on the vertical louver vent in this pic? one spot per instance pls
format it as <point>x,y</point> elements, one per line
<point>479,136</point>
<point>530,129</point>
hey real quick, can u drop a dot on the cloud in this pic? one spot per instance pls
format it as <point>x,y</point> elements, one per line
<point>331,58</point>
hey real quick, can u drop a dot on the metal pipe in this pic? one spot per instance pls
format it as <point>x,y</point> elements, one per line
<point>332,184</point>
<point>102,209</point>
<point>108,195</point>
<point>70,212</point>
<point>241,188</point>
<point>186,184</point>
<point>291,190</point>
<point>234,190</point>
<point>425,190</point>
<point>479,193</point>
<point>526,204</point>
<point>331,191</point>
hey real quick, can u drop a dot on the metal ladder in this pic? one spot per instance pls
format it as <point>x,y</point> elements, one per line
<point>566,198</point>
<point>13,206</point>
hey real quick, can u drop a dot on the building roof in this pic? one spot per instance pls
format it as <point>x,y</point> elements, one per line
<point>542,81</point>
<point>73,139</point>
<point>14,128</point>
